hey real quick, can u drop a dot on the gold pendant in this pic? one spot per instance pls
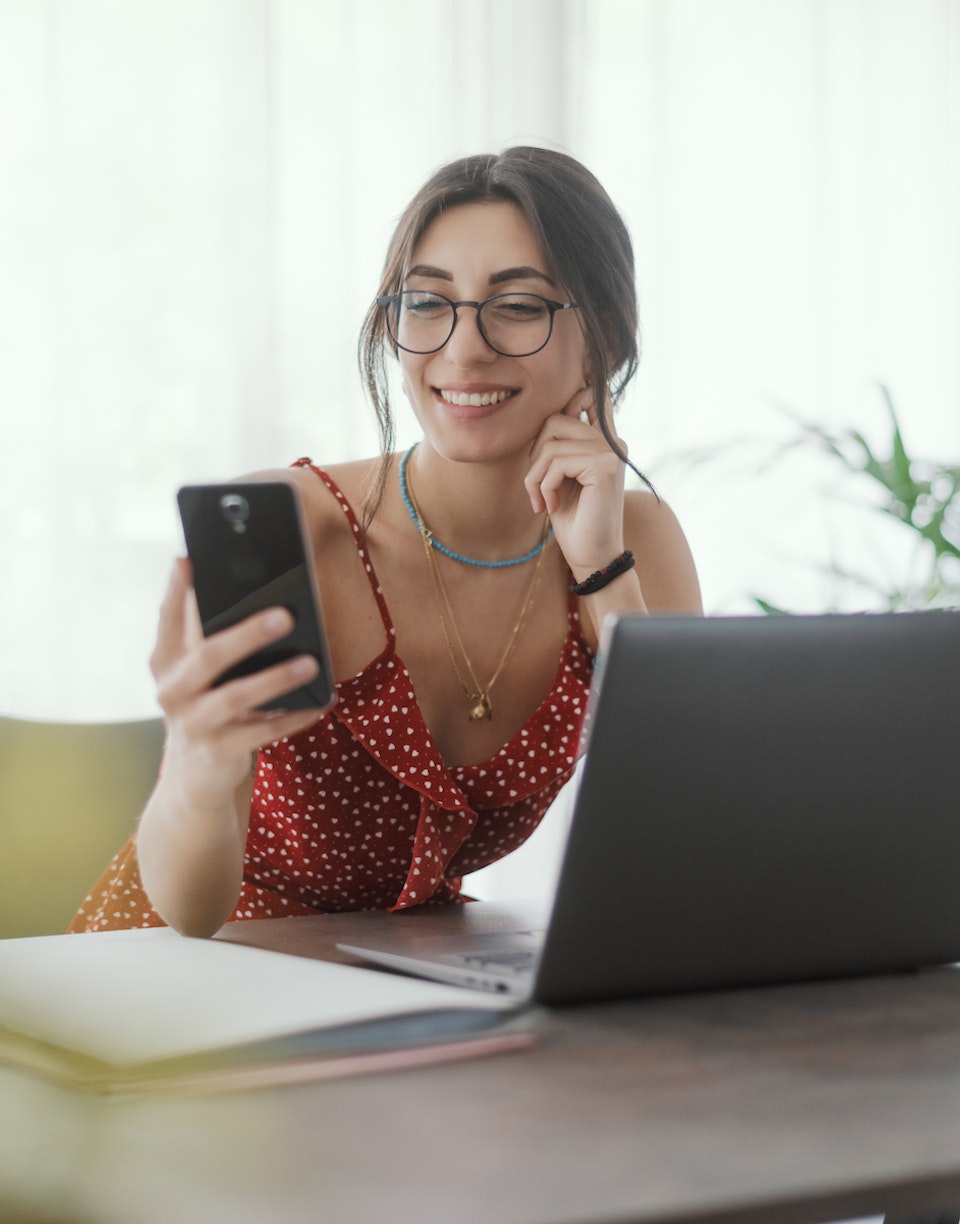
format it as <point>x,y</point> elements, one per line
<point>482,709</point>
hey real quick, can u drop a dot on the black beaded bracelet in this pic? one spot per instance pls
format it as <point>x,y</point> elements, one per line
<point>599,578</point>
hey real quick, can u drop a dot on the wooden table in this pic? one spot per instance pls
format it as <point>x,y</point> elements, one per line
<point>800,1103</point>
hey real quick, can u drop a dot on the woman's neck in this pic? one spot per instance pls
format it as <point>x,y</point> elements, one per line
<point>480,509</point>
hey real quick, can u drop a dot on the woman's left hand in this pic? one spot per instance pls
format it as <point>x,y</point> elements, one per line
<point>577,479</point>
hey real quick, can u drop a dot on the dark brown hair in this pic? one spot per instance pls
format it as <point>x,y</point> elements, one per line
<point>583,238</point>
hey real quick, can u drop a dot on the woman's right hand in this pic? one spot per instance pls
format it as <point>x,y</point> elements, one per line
<point>212,731</point>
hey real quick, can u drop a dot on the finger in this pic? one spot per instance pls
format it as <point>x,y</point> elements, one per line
<point>193,634</point>
<point>592,454</point>
<point>564,436</point>
<point>242,699</point>
<point>171,621</point>
<point>588,409</point>
<point>245,737</point>
<point>196,671</point>
<point>561,434</point>
<point>558,426</point>
<point>279,723</point>
<point>230,717</point>
<point>590,412</point>
<point>237,741</point>
<point>580,403</point>
<point>571,474</point>
<point>540,459</point>
<point>560,479</point>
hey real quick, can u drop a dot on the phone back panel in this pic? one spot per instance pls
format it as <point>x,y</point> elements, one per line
<point>249,552</point>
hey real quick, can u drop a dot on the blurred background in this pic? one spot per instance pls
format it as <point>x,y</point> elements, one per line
<point>195,199</point>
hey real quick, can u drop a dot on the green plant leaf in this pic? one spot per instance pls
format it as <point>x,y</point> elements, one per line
<point>923,496</point>
<point>768,608</point>
<point>900,463</point>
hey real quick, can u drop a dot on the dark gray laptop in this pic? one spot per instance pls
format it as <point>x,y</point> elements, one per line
<point>764,799</point>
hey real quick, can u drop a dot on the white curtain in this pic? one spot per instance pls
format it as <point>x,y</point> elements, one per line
<point>791,172</point>
<point>195,197</point>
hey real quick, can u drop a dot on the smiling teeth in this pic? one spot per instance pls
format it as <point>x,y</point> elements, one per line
<point>464,399</point>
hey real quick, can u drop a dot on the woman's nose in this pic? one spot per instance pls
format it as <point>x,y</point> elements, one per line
<point>467,346</point>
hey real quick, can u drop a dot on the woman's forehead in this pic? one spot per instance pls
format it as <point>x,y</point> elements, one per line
<point>488,235</point>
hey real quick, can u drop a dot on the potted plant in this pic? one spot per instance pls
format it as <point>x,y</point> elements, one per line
<point>921,497</point>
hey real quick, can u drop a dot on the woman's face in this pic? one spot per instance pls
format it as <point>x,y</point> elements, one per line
<point>470,253</point>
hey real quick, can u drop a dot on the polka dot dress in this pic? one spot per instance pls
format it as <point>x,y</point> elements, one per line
<point>360,812</point>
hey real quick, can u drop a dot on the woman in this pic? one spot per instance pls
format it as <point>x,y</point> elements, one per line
<point>464,584</point>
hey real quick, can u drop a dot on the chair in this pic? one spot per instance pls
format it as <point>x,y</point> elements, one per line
<point>70,795</point>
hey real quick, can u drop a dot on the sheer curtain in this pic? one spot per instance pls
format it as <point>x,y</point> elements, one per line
<point>196,196</point>
<point>791,173</point>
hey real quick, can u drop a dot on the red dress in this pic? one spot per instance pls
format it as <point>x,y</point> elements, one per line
<point>360,812</point>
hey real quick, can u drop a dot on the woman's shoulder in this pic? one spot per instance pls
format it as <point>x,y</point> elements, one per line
<point>665,563</point>
<point>356,481</point>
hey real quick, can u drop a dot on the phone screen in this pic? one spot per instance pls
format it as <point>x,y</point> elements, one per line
<point>249,551</point>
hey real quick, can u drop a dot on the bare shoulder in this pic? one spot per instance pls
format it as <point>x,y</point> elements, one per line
<point>354,625</point>
<point>668,575</point>
<point>324,515</point>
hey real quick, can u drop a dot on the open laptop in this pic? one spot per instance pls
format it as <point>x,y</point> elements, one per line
<point>764,799</point>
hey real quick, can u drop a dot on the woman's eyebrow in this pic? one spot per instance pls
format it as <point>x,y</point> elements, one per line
<point>526,273</point>
<point>497,278</point>
<point>429,272</point>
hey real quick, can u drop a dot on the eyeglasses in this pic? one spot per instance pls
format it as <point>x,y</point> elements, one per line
<point>512,324</point>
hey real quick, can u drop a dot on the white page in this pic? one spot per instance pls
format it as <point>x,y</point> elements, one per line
<point>130,996</point>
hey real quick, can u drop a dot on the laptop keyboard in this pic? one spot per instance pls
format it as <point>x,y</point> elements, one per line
<point>520,961</point>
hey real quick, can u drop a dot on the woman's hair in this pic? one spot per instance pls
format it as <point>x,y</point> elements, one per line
<point>583,238</point>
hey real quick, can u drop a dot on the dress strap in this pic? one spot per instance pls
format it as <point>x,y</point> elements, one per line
<point>360,542</point>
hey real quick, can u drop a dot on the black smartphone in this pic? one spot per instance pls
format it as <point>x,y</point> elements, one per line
<point>250,551</point>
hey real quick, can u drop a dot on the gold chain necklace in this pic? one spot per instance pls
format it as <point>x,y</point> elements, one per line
<point>479,694</point>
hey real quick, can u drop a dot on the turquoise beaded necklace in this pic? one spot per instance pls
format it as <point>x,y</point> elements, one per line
<point>449,552</point>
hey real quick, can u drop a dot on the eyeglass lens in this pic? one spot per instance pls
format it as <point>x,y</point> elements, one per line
<point>514,324</point>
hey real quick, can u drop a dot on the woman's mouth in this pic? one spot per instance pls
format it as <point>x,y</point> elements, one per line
<point>473,399</point>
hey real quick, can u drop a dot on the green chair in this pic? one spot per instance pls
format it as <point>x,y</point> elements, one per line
<point>70,796</point>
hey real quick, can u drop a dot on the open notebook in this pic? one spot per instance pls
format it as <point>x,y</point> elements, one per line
<point>147,1010</point>
<point>764,799</point>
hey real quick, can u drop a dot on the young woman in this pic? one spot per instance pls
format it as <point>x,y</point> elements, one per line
<point>464,583</point>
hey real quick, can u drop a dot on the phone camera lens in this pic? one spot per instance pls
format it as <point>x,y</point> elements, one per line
<point>236,510</point>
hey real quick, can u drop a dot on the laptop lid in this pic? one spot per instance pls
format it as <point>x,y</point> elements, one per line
<point>764,799</point>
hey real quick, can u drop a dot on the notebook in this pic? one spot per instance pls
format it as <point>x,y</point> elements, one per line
<point>763,800</point>
<point>148,1011</point>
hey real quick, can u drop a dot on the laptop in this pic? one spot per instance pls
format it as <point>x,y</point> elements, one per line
<point>763,800</point>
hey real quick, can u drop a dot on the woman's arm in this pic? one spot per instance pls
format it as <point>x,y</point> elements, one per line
<point>579,480</point>
<point>664,578</point>
<point>192,834</point>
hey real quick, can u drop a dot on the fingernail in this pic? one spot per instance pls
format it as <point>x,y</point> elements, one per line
<point>305,667</point>
<point>278,620</point>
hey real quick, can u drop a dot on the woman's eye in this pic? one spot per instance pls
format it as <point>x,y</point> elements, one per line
<point>425,307</point>
<point>520,309</point>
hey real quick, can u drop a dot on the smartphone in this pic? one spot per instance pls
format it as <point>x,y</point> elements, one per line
<point>250,551</point>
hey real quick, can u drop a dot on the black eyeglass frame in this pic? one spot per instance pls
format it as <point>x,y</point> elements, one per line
<point>551,305</point>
